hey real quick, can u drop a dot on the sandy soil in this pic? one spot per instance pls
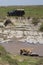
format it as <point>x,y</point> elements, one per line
<point>14,47</point>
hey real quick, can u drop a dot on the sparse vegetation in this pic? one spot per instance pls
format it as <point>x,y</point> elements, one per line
<point>5,58</point>
<point>8,59</point>
<point>35,21</point>
<point>41,27</point>
<point>2,51</point>
<point>30,11</point>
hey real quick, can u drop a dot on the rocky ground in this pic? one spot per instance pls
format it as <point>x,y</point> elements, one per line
<point>23,30</point>
<point>21,34</point>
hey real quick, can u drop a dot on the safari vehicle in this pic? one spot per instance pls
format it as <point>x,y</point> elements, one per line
<point>18,12</point>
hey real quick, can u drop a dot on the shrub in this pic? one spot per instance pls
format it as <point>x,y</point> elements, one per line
<point>41,27</point>
<point>2,51</point>
<point>35,21</point>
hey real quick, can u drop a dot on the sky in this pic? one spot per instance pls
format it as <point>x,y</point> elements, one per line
<point>20,2</point>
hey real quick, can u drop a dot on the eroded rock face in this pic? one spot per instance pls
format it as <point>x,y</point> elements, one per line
<point>28,36</point>
<point>23,30</point>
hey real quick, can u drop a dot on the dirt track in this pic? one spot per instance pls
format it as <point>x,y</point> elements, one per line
<point>15,46</point>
